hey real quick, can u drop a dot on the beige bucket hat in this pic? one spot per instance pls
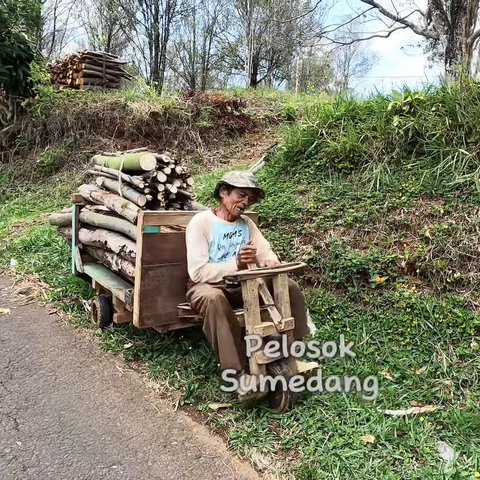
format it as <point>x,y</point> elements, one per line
<point>238,179</point>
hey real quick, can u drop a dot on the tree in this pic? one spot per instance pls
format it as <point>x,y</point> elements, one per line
<point>194,52</point>
<point>312,72</point>
<point>106,25</point>
<point>450,26</point>
<point>56,27</point>
<point>350,60</point>
<point>268,36</point>
<point>151,34</point>
<point>20,22</point>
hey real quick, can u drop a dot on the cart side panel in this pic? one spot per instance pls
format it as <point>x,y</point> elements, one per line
<point>161,269</point>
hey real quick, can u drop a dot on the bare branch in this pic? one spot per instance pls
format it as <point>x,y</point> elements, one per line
<point>355,40</point>
<point>338,26</point>
<point>403,20</point>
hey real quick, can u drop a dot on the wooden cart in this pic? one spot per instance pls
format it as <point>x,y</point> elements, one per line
<point>156,299</point>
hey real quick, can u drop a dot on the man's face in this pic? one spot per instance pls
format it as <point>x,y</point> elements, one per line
<point>238,200</point>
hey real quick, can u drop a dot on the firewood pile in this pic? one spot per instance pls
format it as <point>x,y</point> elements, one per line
<point>89,69</point>
<point>120,186</point>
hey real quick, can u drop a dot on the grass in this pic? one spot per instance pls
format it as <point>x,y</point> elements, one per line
<point>391,248</point>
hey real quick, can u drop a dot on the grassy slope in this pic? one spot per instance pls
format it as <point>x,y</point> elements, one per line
<point>384,267</point>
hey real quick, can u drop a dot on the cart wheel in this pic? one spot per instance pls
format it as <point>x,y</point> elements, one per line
<point>281,400</point>
<point>101,312</point>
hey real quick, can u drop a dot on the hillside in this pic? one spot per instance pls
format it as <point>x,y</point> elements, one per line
<point>379,197</point>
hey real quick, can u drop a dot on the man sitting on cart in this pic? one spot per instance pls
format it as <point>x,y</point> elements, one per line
<point>220,242</point>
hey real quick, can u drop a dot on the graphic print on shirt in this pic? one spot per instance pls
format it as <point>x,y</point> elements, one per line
<point>227,240</point>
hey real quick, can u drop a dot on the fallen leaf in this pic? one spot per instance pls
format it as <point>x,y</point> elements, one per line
<point>448,383</point>
<point>476,474</point>
<point>367,439</point>
<point>128,345</point>
<point>4,311</point>
<point>386,375</point>
<point>411,411</point>
<point>446,452</point>
<point>218,406</point>
<point>420,370</point>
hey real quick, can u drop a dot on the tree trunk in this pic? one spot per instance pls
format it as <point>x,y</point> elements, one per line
<point>456,56</point>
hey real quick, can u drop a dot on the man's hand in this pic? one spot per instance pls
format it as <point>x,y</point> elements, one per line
<point>272,263</point>
<point>246,256</point>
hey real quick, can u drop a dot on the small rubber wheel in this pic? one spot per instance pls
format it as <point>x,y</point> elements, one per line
<point>281,400</point>
<point>101,311</point>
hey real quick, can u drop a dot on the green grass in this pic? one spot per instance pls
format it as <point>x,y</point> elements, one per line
<point>391,248</point>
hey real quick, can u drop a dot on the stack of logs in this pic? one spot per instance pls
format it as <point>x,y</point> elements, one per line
<point>87,68</point>
<point>122,184</point>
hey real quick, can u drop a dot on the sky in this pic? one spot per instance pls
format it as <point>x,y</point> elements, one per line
<point>401,58</point>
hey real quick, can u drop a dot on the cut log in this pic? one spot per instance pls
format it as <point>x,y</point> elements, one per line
<point>137,182</point>
<point>87,74</point>
<point>167,170</point>
<point>104,239</point>
<point>107,240</point>
<point>161,177</point>
<point>112,261</point>
<point>189,181</point>
<point>183,193</point>
<point>124,190</point>
<point>164,158</point>
<point>110,223</point>
<point>123,207</point>
<point>128,162</point>
<point>60,219</point>
<point>171,188</point>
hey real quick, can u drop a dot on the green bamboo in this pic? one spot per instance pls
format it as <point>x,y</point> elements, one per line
<point>129,162</point>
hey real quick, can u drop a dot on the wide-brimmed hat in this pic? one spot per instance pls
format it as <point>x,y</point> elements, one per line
<point>238,179</point>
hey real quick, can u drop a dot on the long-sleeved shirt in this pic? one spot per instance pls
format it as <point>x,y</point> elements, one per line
<point>213,245</point>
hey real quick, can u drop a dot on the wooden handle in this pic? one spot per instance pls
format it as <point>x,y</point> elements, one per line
<point>258,272</point>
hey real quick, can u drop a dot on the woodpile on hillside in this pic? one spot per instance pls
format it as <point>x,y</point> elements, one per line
<point>120,185</point>
<point>89,69</point>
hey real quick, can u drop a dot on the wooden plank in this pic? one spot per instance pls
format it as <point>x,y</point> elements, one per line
<point>281,294</point>
<point>282,300</point>
<point>252,318</point>
<point>119,287</point>
<point>270,303</point>
<point>123,317</point>
<point>138,269</point>
<point>77,266</point>
<point>268,328</point>
<point>180,218</point>
<point>176,326</point>
<point>262,359</point>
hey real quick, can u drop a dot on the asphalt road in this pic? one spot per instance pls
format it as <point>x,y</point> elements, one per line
<point>68,412</point>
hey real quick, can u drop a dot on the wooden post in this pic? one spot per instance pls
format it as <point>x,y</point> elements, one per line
<point>252,318</point>
<point>77,266</point>
<point>282,300</point>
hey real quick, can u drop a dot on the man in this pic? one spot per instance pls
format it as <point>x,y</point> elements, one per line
<point>220,242</point>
